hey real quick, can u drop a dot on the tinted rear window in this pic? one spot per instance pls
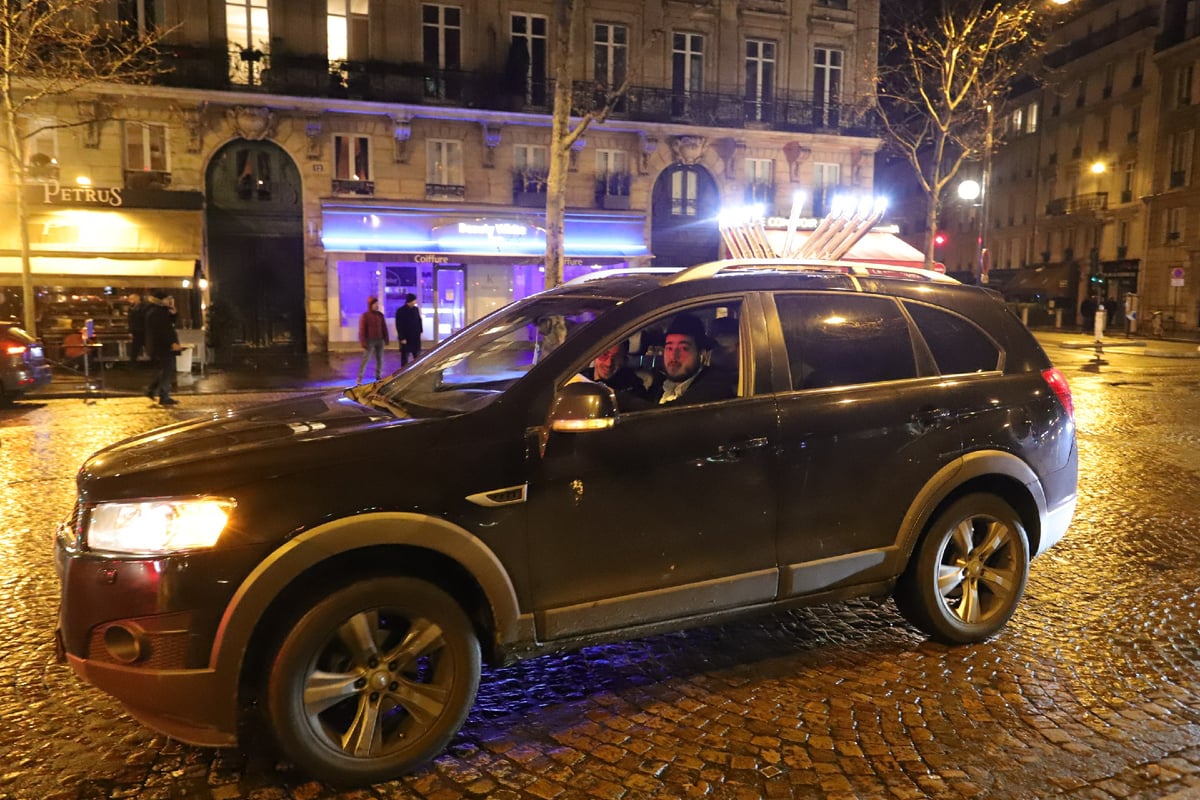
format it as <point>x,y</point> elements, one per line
<point>957,344</point>
<point>842,340</point>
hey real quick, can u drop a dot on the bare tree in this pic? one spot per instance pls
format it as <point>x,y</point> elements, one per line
<point>51,49</point>
<point>943,78</point>
<point>568,18</point>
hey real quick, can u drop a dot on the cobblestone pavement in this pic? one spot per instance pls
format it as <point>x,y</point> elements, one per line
<point>1090,692</point>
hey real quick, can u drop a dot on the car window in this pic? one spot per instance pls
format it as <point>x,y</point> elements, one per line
<point>482,361</point>
<point>958,346</point>
<point>688,356</point>
<point>843,340</point>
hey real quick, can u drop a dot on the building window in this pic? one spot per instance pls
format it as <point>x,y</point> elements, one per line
<point>1105,129</point>
<point>613,181</point>
<point>1183,85</point>
<point>1110,72</point>
<point>1139,69</point>
<point>444,169</point>
<point>146,147</point>
<point>138,17</point>
<point>349,36</point>
<point>1081,93</point>
<point>684,192</point>
<point>1135,123</point>
<point>41,149</point>
<point>441,43</point>
<point>687,70</point>
<point>254,176</point>
<point>352,165</point>
<point>531,168</point>
<point>248,28</point>
<point>529,49</point>
<point>826,179</point>
<point>827,85</point>
<point>760,79</point>
<point>1123,236</point>
<point>1176,218</point>
<point>1031,117</point>
<point>1181,159</point>
<point>760,183</point>
<point>610,48</point>
<point>612,162</point>
<point>1016,122</point>
<point>1127,182</point>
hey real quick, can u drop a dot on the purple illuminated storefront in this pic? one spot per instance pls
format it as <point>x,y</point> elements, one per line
<point>461,262</point>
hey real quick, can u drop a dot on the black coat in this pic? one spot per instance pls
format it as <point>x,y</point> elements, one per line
<point>160,331</point>
<point>408,323</point>
<point>137,318</point>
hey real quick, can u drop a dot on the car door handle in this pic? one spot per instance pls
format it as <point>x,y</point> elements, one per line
<point>728,453</point>
<point>930,416</point>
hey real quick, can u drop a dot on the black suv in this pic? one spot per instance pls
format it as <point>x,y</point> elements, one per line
<point>341,564</point>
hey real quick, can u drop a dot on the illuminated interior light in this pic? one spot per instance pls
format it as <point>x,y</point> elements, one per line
<point>83,180</point>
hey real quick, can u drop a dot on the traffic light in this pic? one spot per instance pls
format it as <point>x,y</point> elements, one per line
<point>939,239</point>
<point>1096,280</point>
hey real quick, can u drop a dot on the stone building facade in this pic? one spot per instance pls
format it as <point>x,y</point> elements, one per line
<point>294,158</point>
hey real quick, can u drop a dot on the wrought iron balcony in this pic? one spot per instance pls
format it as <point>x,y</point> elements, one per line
<point>1078,204</point>
<point>419,84</point>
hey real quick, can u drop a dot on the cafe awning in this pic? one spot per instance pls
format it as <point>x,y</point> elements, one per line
<point>98,271</point>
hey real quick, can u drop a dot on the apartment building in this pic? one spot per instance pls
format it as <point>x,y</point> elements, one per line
<point>294,158</point>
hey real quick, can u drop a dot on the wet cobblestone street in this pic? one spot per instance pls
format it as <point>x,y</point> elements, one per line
<point>1092,691</point>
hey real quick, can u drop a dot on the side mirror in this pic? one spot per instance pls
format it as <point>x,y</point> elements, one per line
<point>583,406</point>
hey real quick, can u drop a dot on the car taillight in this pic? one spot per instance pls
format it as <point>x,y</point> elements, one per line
<point>14,349</point>
<point>1058,382</point>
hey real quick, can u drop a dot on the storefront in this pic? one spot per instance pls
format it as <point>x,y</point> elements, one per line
<point>461,264</point>
<point>91,247</point>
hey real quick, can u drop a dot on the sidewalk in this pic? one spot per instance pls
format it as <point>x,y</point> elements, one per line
<point>330,371</point>
<point>312,373</point>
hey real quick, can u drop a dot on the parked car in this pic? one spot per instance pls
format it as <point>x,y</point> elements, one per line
<point>23,365</point>
<point>335,568</point>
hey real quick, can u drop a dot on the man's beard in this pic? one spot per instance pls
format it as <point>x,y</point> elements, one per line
<point>686,373</point>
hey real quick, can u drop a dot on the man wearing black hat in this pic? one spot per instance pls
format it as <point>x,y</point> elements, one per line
<point>687,380</point>
<point>162,343</point>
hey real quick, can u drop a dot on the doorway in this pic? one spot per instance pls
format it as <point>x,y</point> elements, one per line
<point>449,301</point>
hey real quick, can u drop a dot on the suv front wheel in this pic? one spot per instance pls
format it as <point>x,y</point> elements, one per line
<point>968,572</point>
<point>373,680</point>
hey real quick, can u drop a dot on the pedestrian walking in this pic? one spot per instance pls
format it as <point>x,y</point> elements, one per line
<point>373,336</point>
<point>162,343</point>
<point>136,320</point>
<point>409,329</point>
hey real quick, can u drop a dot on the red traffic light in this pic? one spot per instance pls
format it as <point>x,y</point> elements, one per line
<point>939,239</point>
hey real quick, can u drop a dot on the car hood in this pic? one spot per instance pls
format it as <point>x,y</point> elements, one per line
<point>236,441</point>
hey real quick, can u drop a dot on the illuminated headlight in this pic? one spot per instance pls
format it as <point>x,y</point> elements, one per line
<point>156,527</point>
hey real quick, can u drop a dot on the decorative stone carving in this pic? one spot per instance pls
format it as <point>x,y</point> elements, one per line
<point>193,124</point>
<point>573,157</point>
<point>491,140</point>
<point>727,148</point>
<point>401,133</point>
<point>649,148</point>
<point>312,130</point>
<point>252,122</point>
<point>795,153</point>
<point>688,149</point>
<point>92,113</point>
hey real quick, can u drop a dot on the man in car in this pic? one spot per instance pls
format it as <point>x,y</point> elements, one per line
<point>687,380</point>
<point>610,369</point>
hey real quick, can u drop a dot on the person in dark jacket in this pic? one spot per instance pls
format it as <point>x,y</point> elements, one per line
<point>162,343</point>
<point>611,369</point>
<point>409,328</point>
<point>687,380</point>
<point>373,336</point>
<point>136,320</point>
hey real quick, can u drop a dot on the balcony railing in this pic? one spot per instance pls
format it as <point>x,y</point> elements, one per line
<point>1080,203</point>
<point>419,84</point>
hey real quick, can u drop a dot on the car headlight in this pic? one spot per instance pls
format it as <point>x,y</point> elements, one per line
<point>157,527</point>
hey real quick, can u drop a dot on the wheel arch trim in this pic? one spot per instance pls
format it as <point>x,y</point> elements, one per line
<point>978,464</point>
<point>346,535</point>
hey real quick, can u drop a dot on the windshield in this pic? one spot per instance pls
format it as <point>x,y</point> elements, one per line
<point>478,365</point>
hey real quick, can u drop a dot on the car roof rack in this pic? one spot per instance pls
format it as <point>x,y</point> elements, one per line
<point>852,268</point>
<point>627,271</point>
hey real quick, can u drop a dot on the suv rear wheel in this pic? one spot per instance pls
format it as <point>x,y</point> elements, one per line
<point>968,573</point>
<point>373,680</point>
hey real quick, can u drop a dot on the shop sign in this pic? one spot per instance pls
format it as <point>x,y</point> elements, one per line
<point>489,232</point>
<point>53,193</point>
<point>430,258</point>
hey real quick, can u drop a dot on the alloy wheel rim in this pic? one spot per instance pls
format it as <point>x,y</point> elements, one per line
<point>378,684</point>
<point>978,570</point>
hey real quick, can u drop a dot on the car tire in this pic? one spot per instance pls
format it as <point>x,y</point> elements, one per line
<point>373,680</point>
<point>968,573</point>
